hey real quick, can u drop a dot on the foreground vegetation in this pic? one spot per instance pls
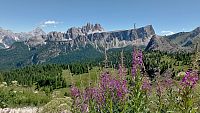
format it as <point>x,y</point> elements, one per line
<point>148,82</point>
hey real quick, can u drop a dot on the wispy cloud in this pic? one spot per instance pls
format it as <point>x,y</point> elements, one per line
<point>49,23</point>
<point>167,32</point>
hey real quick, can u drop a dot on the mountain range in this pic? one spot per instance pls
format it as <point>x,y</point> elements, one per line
<point>88,34</point>
<point>84,43</point>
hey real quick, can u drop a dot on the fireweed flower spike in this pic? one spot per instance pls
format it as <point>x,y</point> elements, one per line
<point>190,79</point>
<point>137,61</point>
<point>168,82</point>
<point>134,62</point>
<point>122,72</point>
<point>112,85</point>
<point>159,89</point>
<point>105,80</point>
<point>75,92</point>
<point>146,85</point>
<point>140,61</point>
<point>187,84</point>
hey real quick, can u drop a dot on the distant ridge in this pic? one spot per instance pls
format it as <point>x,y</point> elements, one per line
<point>182,41</point>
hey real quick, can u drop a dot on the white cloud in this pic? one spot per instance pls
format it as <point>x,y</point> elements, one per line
<point>167,32</point>
<point>49,23</point>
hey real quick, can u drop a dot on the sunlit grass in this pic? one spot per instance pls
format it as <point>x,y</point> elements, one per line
<point>86,79</point>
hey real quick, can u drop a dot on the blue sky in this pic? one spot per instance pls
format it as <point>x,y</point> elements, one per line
<point>164,15</point>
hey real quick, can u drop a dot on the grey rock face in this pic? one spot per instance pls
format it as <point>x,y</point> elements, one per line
<point>73,32</point>
<point>158,43</point>
<point>95,35</point>
<point>88,34</point>
<point>115,39</point>
<point>55,36</point>
<point>36,40</point>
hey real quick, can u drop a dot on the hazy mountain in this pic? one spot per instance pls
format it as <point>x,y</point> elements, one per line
<point>185,38</point>
<point>7,37</point>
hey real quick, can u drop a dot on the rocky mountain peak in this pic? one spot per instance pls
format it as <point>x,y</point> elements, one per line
<point>90,28</point>
<point>98,27</point>
<point>95,27</point>
<point>37,32</point>
<point>149,29</point>
<point>153,43</point>
<point>83,31</point>
<point>160,43</point>
<point>197,29</point>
